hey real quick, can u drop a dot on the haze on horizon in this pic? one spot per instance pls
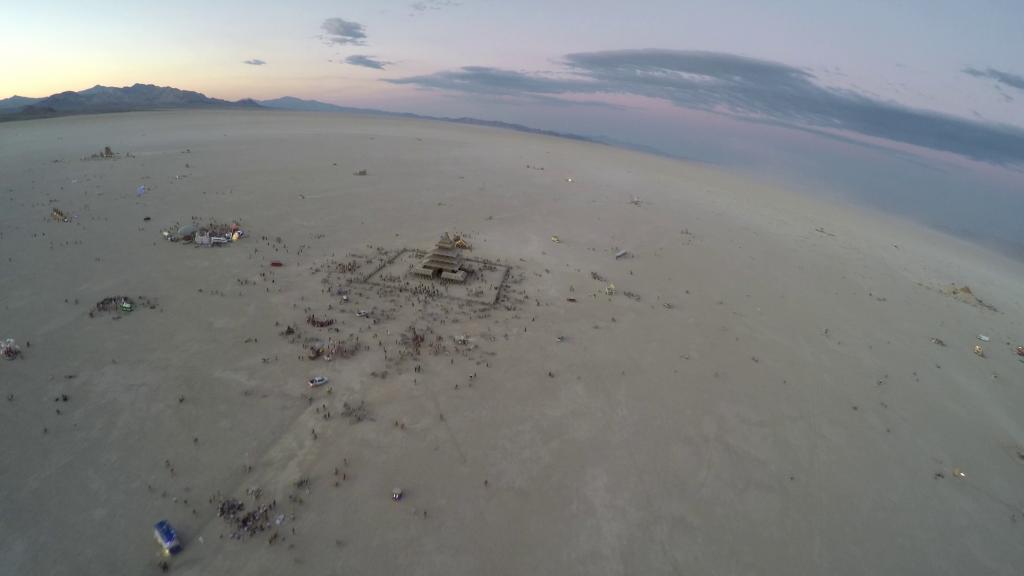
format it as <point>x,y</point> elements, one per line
<point>888,100</point>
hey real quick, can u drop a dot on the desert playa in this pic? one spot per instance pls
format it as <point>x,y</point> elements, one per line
<point>651,367</point>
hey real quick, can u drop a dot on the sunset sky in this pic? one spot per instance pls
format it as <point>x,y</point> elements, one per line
<point>961,58</point>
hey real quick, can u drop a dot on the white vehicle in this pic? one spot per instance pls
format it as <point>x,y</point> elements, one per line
<point>317,381</point>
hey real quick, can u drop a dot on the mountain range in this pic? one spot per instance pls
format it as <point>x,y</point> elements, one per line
<point>105,99</point>
<point>292,103</point>
<point>99,99</point>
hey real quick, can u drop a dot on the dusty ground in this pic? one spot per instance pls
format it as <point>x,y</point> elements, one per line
<point>761,393</point>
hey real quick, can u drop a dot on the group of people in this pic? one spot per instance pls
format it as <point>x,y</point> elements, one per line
<point>9,350</point>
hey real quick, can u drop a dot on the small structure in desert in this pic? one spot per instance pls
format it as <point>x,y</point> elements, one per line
<point>445,260</point>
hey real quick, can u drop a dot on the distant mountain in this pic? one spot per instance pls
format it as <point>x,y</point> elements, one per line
<point>293,103</point>
<point>298,104</point>
<point>110,99</point>
<point>17,102</point>
<point>148,97</point>
<point>511,126</point>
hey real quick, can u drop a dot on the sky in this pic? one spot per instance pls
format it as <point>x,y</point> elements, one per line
<point>912,51</point>
<point>936,86</point>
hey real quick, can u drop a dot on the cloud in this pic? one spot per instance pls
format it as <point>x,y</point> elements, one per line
<point>741,87</point>
<point>425,5</point>
<point>1006,97</point>
<point>497,82</point>
<point>340,31</point>
<point>1005,78</point>
<point>485,81</point>
<point>254,62</point>
<point>367,61</point>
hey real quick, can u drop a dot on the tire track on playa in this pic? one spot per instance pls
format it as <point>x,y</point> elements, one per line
<point>285,458</point>
<point>705,469</point>
<point>444,421</point>
<point>651,503</point>
<point>619,420</point>
<point>814,472</point>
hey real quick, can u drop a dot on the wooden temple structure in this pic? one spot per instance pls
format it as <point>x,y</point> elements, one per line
<point>445,260</point>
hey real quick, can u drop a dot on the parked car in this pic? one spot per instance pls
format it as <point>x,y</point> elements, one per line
<point>167,537</point>
<point>317,381</point>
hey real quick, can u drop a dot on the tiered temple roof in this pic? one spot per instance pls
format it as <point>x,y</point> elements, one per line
<point>444,258</point>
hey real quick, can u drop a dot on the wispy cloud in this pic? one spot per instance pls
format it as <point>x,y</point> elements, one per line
<point>254,62</point>
<point>367,61</point>
<point>1005,78</point>
<point>497,82</point>
<point>494,82</point>
<point>425,5</point>
<point>741,87</point>
<point>341,31</point>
